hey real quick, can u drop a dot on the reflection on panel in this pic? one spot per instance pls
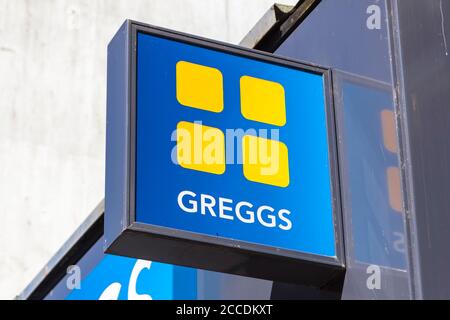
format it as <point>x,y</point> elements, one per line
<point>372,188</point>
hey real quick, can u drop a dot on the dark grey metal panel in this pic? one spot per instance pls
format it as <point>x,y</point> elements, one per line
<point>117,135</point>
<point>336,34</point>
<point>286,22</point>
<point>221,286</point>
<point>276,14</point>
<point>422,31</point>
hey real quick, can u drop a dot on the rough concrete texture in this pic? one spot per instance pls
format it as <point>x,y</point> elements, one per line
<point>52,103</point>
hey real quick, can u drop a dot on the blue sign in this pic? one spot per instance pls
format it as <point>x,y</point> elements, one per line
<point>122,278</point>
<point>232,147</point>
<point>100,276</point>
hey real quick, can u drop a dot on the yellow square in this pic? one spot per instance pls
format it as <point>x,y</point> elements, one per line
<point>200,147</point>
<point>265,161</point>
<point>199,86</point>
<point>263,101</point>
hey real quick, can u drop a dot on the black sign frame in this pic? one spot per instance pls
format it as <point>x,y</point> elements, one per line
<point>125,236</point>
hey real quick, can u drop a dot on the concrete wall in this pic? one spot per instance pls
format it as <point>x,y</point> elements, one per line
<point>52,104</point>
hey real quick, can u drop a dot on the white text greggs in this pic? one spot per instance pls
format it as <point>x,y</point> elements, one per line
<point>228,209</point>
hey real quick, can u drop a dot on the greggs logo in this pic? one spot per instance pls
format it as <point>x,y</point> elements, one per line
<point>208,149</point>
